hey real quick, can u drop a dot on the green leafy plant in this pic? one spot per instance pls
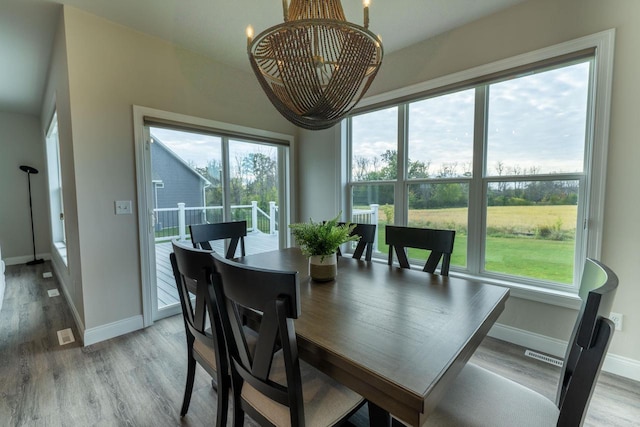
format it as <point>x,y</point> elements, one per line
<point>322,238</point>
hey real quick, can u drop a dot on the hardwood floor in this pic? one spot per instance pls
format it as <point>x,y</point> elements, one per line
<point>138,379</point>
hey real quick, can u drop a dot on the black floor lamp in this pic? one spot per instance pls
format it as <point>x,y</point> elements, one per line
<point>29,170</point>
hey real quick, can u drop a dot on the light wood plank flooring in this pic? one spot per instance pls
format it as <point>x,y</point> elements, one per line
<point>138,379</point>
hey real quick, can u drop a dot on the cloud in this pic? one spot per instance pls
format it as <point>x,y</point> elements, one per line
<point>537,120</point>
<point>199,149</point>
<point>194,148</point>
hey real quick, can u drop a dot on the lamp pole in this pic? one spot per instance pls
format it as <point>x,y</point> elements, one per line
<point>31,170</point>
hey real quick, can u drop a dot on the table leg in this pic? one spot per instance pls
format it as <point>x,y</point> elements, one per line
<point>378,417</point>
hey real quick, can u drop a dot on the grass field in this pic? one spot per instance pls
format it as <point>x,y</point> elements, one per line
<point>500,217</point>
<point>514,245</point>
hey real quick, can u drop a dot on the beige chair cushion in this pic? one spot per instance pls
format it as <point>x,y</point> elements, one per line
<point>325,401</point>
<point>479,397</point>
<point>208,355</point>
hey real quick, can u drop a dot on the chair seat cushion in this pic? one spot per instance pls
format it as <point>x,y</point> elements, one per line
<point>479,397</point>
<point>326,401</point>
<point>208,356</point>
<point>206,353</point>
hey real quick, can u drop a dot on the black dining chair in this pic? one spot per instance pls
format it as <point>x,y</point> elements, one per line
<point>479,397</point>
<point>439,242</point>
<point>367,233</point>
<point>203,234</point>
<point>192,269</point>
<point>274,386</point>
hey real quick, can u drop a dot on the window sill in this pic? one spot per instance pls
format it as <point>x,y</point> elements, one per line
<point>555,297</point>
<point>61,247</point>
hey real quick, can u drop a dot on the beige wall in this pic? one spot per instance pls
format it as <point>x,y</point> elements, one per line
<point>111,68</point>
<point>526,27</point>
<point>21,144</point>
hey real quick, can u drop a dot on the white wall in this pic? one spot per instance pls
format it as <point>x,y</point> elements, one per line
<point>22,143</point>
<point>523,28</point>
<point>110,69</point>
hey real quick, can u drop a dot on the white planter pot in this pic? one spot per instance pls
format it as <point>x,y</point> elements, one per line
<point>323,268</point>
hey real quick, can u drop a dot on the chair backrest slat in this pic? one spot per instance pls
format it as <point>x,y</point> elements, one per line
<point>202,234</point>
<point>576,400</point>
<point>276,294</point>
<point>439,242</point>
<point>367,233</point>
<point>192,270</point>
<point>588,343</point>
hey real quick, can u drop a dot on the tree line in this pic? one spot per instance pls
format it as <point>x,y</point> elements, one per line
<point>253,177</point>
<point>452,194</point>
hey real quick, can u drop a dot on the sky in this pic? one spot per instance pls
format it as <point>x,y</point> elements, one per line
<point>194,148</point>
<point>199,149</point>
<point>535,121</point>
<point>538,121</point>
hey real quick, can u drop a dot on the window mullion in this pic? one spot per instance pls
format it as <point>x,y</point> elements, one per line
<point>347,152</point>
<point>401,198</point>
<point>226,179</point>
<point>477,188</point>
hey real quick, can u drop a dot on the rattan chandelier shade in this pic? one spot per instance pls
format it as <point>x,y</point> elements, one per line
<point>315,66</point>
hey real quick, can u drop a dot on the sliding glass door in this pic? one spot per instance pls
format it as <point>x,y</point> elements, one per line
<point>207,177</point>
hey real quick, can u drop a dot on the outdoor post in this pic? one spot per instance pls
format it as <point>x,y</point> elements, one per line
<point>181,222</point>
<point>272,217</point>
<point>374,220</point>
<point>254,215</point>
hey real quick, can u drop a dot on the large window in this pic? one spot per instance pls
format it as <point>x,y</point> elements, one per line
<point>505,159</point>
<point>56,200</point>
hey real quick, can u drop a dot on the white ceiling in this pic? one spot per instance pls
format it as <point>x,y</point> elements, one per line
<point>214,28</point>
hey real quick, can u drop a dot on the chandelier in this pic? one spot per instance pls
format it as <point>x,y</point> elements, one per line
<point>315,66</point>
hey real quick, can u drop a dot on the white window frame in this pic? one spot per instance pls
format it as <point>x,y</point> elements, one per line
<point>143,176</point>
<point>596,151</point>
<point>56,196</point>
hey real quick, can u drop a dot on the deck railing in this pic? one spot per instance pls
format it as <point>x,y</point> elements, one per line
<point>368,216</point>
<point>171,223</point>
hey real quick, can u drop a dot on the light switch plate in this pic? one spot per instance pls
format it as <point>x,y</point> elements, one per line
<point>123,207</point>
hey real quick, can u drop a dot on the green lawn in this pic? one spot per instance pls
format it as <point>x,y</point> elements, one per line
<point>542,259</point>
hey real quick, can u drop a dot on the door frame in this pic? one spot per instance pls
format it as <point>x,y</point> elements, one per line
<point>142,142</point>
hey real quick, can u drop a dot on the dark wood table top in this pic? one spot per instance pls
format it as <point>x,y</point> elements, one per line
<point>396,336</point>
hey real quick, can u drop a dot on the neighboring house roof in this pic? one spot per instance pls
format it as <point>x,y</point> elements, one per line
<point>155,140</point>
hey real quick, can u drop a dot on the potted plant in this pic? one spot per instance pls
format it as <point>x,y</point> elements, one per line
<point>319,241</point>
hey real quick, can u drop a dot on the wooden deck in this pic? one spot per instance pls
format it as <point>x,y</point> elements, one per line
<point>167,292</point>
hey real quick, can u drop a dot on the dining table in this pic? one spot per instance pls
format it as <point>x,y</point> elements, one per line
<point>396,336</point>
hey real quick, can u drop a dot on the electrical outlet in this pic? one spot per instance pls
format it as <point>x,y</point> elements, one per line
<point>616,318</point>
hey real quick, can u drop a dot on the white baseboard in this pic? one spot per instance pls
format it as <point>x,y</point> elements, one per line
<point>102,332</point>
<point>622,366</point>
<point>72,306</point>
<point>614,364</point>
<point>26,258</point>
<point>112,330</point>
<point>530,340</point>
